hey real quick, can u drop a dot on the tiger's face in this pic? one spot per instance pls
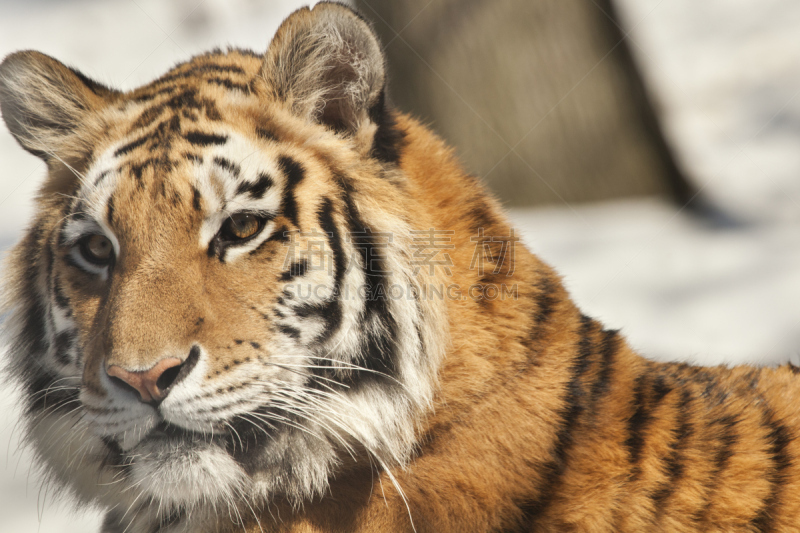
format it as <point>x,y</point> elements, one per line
<point>201,312</point>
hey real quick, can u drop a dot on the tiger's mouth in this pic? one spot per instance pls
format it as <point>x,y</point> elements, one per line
<point>162,434</point>
<point>234,437</point>
<point>170,432</point>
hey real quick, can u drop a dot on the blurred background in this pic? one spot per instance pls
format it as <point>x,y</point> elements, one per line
<point>649,150</point>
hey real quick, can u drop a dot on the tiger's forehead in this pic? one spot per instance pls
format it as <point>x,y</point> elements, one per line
<point>203,179</point>
<point>189,150</point>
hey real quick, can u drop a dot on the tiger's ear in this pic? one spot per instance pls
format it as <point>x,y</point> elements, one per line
<point>328,65</point>
<point>48,106</point>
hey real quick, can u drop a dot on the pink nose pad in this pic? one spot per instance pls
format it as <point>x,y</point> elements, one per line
<point>150,384</point>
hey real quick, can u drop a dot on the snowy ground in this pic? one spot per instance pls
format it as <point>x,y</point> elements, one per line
<point>727,75</point>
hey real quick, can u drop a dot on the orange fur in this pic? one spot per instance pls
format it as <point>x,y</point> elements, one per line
<point>515,413</point>
<point>490,452</point>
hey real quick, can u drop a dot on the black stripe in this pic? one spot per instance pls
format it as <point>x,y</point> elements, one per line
<point>32,337</point>
<point>162,164</point>
<point>196,197</point>
<point>329,227</point>
<point>148,116</point>
<point>101,177</point>
<point>228,165</point>
<point>61,346</point>
<point>608,350</point>
<point>138,171</point>
<point>380,329</point>
<point>569,416</point>
<point>331,310</point>
<point>546,301</point>
<point>166,130</point>
<point>674,463</point>
<point>131,146</point>
<point>200,69</point>
<point>205,139</point>
<point>58,294</point>
<point>727,440</point>
<point>210,109</point>
<point>258,188</point>
<point>78,211</point>
<point>296,270</point>
<point>228,84</point>
<point>585,345</point>
<point>389,140</point>
<point>379,350</point>
<point>266,134</point>
<point>641,418</point>
<point>149,95</point>
<point>110,210</point>
<point>543,309</point>
<point>481,214</point>
<point>289,330</point>
<point>779,437</point>
<point>294,174</point>
<point>186,100</point>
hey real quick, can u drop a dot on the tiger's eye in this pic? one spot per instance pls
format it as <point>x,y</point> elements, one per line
<point>242,226</point>
<point>97,249</point>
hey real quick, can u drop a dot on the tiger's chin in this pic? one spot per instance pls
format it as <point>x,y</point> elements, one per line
<point>176,473</point>
<point>179,471</point>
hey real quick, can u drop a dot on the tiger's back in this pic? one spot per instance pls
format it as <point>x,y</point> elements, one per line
<point>256,297</point>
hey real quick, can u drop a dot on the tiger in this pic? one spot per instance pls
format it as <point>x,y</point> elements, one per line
<point>256,297</point>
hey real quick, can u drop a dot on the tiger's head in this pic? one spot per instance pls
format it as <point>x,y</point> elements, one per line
<point>215,304</point>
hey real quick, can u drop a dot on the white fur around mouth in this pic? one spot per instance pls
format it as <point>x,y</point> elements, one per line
<point>163,433</point>
<point>179,473</point>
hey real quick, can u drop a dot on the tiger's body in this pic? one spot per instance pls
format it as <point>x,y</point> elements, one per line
<point>186,367</point>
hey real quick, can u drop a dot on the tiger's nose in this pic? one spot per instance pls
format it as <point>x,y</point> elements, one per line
<point>153,384</point>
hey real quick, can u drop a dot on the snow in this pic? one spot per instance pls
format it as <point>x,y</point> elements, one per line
<point>726,74</point>
<point>678,288</point>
